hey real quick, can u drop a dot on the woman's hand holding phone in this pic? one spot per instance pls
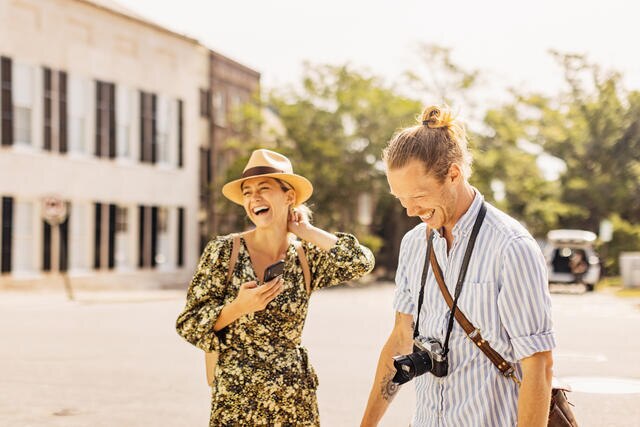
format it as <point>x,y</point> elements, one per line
<point>252,298</point>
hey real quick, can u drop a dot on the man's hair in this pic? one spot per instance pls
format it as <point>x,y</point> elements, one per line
<point>438,141</point>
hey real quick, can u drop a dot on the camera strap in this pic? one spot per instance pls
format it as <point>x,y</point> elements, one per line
<point>470,330</point>
<point>430,256</point>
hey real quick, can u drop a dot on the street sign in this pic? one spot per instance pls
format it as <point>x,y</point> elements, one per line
<point>606,230</point>
<point>54,210</point>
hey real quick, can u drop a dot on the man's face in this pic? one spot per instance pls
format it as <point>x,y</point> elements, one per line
<point>422,195</point>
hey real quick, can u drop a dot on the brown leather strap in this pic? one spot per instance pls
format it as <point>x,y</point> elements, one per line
<point>234,256</point>
<point>472,332</point>
<point>211,357</point>
<point>304,264</point>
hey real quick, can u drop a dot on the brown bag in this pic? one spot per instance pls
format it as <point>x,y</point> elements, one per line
<point>211,357</point>
<point>560,413</point>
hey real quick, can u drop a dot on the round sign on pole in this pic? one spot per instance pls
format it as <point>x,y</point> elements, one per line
<point>54,210</point>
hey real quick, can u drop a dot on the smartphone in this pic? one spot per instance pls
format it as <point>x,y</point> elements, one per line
<point>273,271</point>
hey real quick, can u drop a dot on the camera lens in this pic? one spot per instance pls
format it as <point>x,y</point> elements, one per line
<point>411,366</point>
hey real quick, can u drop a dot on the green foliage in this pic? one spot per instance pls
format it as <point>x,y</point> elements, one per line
<point>335,125</point>
<point>373,242</point>
<point>594,127</point>
<point>336,128</point>
<point>528,195</point>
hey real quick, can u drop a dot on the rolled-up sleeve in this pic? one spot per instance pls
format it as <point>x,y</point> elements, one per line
<point>346,260</point>
<point>205,298</point>
<point>402,299</point>
<point>524,302</point>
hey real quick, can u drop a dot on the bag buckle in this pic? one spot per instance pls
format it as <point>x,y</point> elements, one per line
<point>511,373</point>
<point>473,334</point>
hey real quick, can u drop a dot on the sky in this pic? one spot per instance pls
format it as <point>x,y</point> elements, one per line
<point>507,40</point>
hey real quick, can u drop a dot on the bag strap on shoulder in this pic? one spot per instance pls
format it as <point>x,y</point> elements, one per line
<point>233,259</point>
<point>304,264</point>
<point>472,332</point>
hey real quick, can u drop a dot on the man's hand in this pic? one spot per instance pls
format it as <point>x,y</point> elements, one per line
<point>384,390</point>
<point>535,391</point>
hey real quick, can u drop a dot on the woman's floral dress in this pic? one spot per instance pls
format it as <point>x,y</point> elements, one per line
<point>263,375</point>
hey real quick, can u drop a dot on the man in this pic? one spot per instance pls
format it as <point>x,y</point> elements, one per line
<point>505,293</point>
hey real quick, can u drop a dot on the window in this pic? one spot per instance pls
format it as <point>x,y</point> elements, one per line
<point>104,236</point>
<point>121,219</point>
<point>147,236</point>
<point>219,109</point>
<point>148,105</point>
<point>23,239</point>
<point>205,102</point>
<point>6,234</point>
<point>23,93</point>
<point>180,242</point>
<point>79,239</point>
<point>163,130</point>
<point>180,141</point>
<point>6,103</point>
<point>124,98</point>
<point>162,257</point>
<point>78,107</point>
<point>122,238</point>
<point>105,120</point>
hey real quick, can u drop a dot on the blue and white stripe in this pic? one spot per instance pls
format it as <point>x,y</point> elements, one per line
<point>505,295</point>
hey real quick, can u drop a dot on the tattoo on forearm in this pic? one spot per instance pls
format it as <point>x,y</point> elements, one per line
<point>389,388</point>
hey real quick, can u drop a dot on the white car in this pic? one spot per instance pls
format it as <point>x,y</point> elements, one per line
<point>571,258</point>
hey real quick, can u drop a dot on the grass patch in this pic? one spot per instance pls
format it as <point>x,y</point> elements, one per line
<point>610,282</point>
<point>629,293</point>
<point>614,285</point>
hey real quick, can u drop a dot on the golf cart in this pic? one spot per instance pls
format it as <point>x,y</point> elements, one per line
<point>571,258</point>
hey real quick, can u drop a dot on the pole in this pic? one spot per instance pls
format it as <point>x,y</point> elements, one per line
<point>62,249</point>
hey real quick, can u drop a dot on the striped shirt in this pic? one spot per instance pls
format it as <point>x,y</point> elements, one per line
<point>505,295</point>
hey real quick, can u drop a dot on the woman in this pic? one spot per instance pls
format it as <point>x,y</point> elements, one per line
<point>263,375</point>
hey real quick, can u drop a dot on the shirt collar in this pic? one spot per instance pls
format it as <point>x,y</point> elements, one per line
<point>466,221</point>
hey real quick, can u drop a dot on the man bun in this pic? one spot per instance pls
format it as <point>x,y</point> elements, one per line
<point>435,117</point>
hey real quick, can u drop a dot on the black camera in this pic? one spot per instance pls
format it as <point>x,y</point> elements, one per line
<point>427,356</point>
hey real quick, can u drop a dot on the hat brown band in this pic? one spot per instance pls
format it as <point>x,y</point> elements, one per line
<point>260,170</point>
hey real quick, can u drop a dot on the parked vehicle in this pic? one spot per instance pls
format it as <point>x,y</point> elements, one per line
<point>571,258</point>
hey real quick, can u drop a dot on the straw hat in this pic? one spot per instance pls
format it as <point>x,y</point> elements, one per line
<point>269,164</point>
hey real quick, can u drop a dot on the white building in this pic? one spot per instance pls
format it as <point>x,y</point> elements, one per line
<point>100,108</point>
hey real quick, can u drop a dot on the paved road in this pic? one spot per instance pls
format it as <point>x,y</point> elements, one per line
<point>113,359</point>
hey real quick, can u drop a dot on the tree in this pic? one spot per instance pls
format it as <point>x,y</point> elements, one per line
<point>594,127</point>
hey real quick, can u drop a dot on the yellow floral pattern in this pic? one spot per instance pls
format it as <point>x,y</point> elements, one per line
<point>263,375</point>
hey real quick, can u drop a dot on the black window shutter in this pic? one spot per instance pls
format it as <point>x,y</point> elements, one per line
<point>98,119</point>
<point>141,234</point>
<point>180,257</point>
<point>97,236</point>
<point>154,140</point>
<point>48,95</point>
<point>6,109</point>
<point>64,243</point>
<point>154,235</point>
<point>112,120</point>
<point>46,246</point>
<point>62,111</point>
<point>180,134</point>
<point>7,234</point>
<point>112,236</point>
<point>142,127</point>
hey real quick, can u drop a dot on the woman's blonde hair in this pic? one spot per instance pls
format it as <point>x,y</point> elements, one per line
<point>438,141</point>
<point>303,209</point>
